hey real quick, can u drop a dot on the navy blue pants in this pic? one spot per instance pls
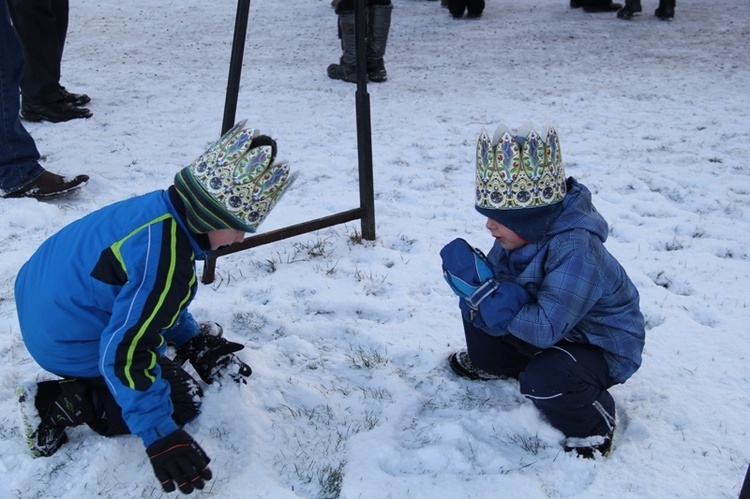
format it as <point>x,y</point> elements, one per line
<point>567,382</point>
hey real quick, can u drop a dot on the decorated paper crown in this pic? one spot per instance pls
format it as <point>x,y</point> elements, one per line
<point>234,184</point>
<point>519,179</point>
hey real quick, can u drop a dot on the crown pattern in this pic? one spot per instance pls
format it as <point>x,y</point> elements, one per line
<point>522,171</point>
<point>242,180</point>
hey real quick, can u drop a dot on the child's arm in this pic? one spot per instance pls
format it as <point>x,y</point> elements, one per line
<point>571,287</point>
<point>485,302</point>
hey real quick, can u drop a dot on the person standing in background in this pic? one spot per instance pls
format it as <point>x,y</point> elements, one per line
<point>42,26</point>
<point>21,175</point>
<point>378,27</point>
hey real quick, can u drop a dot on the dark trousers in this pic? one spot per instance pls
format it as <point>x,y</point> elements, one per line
<point>19,156</point>
<point>185,395</point>
<point>42,26</point>
<point>348,5</point>
<point>567,382</point>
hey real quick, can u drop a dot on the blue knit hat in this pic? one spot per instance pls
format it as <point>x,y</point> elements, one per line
<point>234,184</point>
<point>520,180</point>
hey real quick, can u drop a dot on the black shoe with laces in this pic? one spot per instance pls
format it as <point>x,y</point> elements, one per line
<point>76,100</point>
<point>344,72</point>
<point>54,112</point>
<point>462,365</point>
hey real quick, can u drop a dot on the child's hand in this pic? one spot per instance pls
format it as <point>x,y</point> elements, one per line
<point>496,311</point>
<point>467,271</point>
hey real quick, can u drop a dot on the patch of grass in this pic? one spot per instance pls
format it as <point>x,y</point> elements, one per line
<point>367,359</point>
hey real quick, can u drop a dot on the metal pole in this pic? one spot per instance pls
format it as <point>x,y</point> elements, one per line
<point>364,129</point>
<point>230,102</point>
<point>366,211</point>
<point>235,65</point>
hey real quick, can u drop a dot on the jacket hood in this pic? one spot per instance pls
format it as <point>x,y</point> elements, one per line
<point>579,213</point>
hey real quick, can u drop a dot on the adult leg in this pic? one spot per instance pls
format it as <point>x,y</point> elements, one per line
<point>568,384</point>
<point>378,27</point>
<point>42,27</point>
<point>346,68</point>
<point>38,26</point>
<point>19,156</point>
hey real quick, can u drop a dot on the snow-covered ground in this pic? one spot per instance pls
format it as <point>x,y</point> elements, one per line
<point>351,395</point>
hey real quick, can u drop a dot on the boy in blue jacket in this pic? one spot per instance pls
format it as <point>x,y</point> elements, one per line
<point>99,302</point>
<point>549,305</point>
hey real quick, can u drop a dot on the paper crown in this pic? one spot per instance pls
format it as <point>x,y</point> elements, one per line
<point>234,184</point>
<point>518,171</point>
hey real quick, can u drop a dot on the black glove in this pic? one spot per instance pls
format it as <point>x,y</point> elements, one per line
<point>178,458</point>
<point>213,356</point>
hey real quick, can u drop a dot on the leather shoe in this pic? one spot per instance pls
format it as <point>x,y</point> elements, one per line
<point>76,100</point>
<point>54,112</point>
<point>49,185</point>
<point>601,7</point>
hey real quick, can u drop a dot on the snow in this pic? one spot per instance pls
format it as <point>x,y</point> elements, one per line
<point>351,394</point>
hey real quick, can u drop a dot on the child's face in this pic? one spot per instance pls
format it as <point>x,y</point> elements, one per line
<point>508,239</point>
<point>225,237</point>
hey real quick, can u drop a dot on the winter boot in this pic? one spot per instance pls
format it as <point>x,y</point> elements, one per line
<point>589,447</point>
<point>665,11</point>
<point>462,365</point>
<point>346,69</point>
<point>474,8</point>
<point>457,8</point>
<point>47,408</point>
<point>213,356</point>
<point>632,8</point>
<point>379,25</point>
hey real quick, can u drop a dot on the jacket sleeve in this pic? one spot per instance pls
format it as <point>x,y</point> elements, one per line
<point>569,289</point>
<point>156,266</point>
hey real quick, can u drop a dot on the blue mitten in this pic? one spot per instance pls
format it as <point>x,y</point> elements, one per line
<point>496,311</point>
<point>499,308</point>
<point>468,272</point>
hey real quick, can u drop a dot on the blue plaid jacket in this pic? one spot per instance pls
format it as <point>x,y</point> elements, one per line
<point>580,292</point>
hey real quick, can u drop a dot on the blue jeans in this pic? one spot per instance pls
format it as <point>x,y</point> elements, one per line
<point>19,157</point>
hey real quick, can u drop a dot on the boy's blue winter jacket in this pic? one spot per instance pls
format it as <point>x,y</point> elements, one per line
<point>102,296</point>
<point>579,291</point>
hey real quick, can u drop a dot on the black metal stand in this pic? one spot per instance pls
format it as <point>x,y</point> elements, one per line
<point>366,210</point>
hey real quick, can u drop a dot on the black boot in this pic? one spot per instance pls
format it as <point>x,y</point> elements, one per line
<point>379,25</point>
<point>457,8</point>
<point>601,6</point>
<point>47,408</point>
<point>54,112</point>
<point>213,356</point>
<point>665,11</point>
<point>632,8</point>
<point>474,8</point>
<point>346,69</point>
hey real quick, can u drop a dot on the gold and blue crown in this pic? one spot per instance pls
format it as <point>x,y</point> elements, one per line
<point>234,184</point>
<point>519,171</point>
